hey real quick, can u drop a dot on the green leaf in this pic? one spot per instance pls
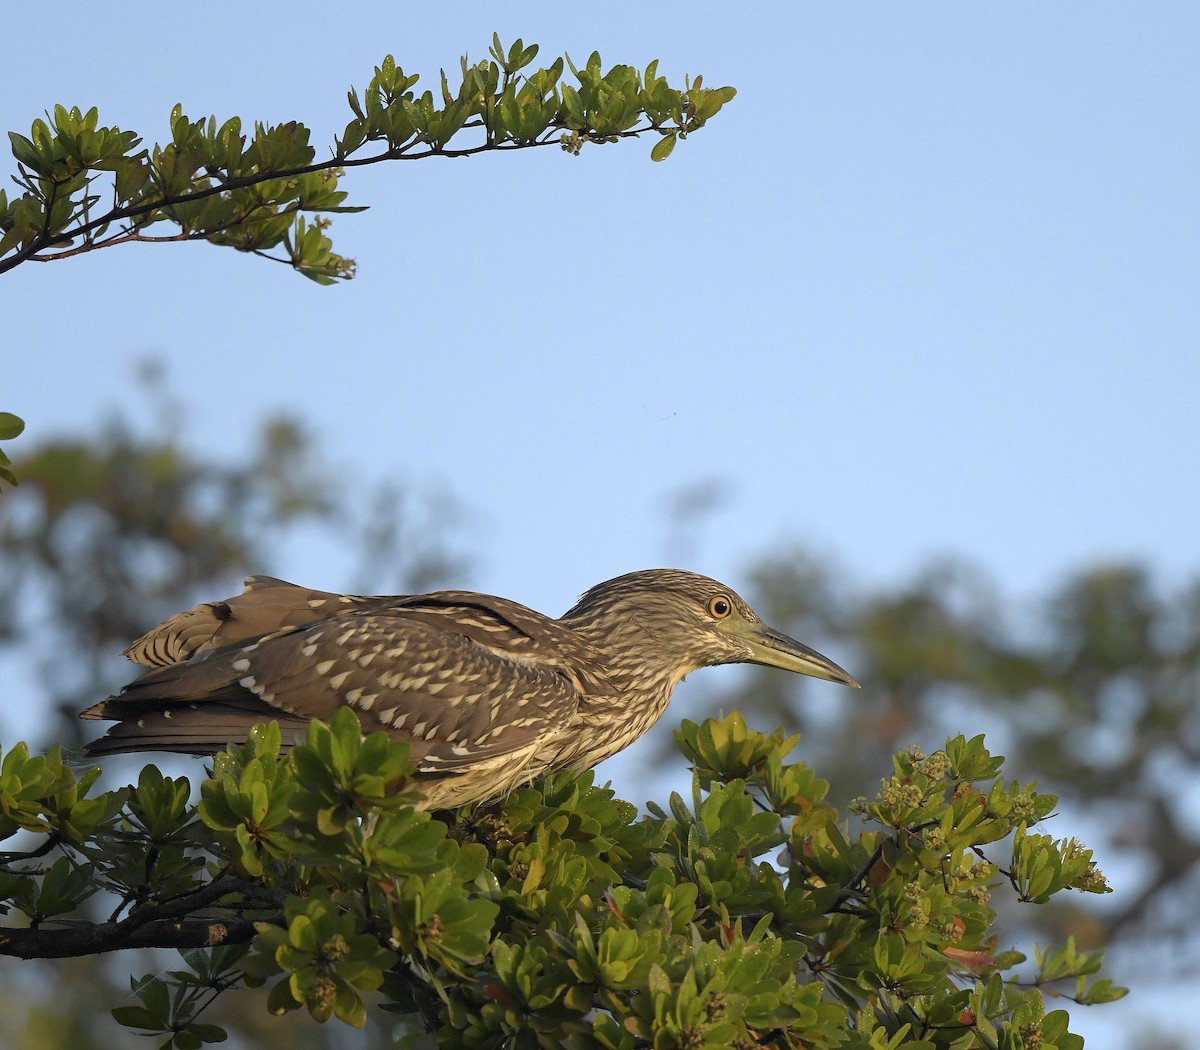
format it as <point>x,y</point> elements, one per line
<point>27,153</point>
<point>10,426</point>
<point>136,1017</point>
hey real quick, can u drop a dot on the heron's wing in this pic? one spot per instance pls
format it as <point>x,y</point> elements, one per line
<point>266,606</point>
<point>454,677</point>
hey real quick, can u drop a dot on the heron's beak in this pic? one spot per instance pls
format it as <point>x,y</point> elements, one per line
<point>772,649</point>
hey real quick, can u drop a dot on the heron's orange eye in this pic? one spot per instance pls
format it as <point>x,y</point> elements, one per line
<point>719,607</point>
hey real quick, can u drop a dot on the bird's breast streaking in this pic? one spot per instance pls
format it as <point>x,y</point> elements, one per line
<point>487,692</point>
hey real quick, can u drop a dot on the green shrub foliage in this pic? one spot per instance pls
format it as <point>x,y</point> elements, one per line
<point>749,914</point>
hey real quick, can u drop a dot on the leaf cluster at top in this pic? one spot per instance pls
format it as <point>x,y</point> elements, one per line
<point>83,185</point>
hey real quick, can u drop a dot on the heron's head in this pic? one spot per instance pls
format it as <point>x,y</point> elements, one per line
<point>669,622</point>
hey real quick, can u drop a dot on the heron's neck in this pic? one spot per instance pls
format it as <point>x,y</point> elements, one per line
<point>614,717</point>
<point>636,673</point>
<point>637,661</point>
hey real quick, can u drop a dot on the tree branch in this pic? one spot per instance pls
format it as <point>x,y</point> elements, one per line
<point>46,240</point>
<point>154,925</point>
<point>96,938</point>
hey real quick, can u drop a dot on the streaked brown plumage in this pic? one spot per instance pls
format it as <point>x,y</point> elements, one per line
<point>487,692</point>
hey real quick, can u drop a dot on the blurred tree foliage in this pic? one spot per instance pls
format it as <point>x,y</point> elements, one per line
<point>1095,691</point>
<point>107,533</point>
<point>680,928</point>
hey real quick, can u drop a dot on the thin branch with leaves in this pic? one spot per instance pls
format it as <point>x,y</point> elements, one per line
<point>215,182</point>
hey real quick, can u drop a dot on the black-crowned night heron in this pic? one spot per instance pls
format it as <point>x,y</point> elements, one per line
<point>487,692</point>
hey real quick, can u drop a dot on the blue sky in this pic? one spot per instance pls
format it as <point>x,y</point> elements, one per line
<point>927,285</point>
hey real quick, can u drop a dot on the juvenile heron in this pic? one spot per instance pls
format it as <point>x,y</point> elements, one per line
<point>487,692</point>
